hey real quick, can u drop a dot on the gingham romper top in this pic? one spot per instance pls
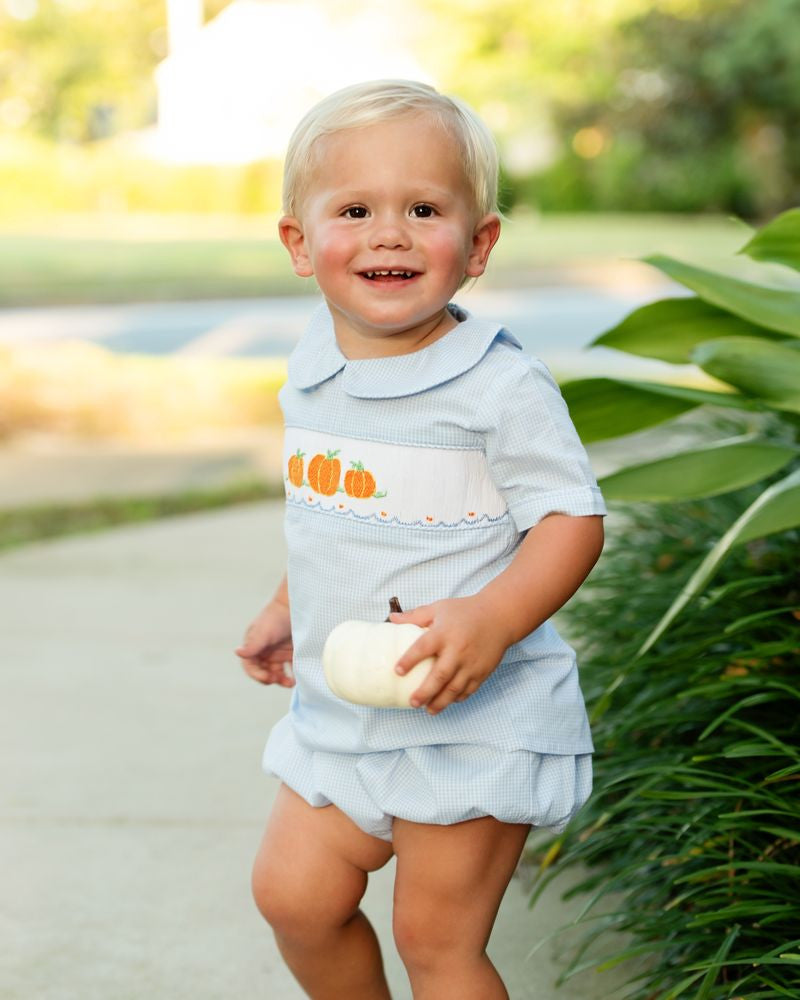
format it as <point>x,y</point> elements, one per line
<point>417,476</point>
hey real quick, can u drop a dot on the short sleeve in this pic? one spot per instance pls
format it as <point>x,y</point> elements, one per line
<point>535,456</point>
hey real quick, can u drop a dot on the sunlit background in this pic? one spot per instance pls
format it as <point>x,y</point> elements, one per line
<point>145,302</point>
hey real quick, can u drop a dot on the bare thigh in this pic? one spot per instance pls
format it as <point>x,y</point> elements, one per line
<point>311,868</point>
<point>450,882</point>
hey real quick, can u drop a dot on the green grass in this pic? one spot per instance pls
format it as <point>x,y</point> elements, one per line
<point>151,258</point>
<point>532,242</point>
<point>23,525</point>
<point>48,270</point>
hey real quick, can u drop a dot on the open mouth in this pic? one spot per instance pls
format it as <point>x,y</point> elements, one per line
<point>389,275</point>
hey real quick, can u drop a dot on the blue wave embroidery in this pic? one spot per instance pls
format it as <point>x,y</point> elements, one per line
<point>485,520</point>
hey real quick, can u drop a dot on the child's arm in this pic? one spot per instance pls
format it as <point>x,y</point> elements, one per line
<point>469,635</point>
<point>267,645</point>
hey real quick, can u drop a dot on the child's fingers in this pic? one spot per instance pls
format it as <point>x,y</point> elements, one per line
<point>422,616</point>
<point>272,673</point>
<point>245,652</point>
<point>253,652</point>
<point>427,645</point>
<point>440,677</point>
<point>459,689</point>
<point>470,689</point>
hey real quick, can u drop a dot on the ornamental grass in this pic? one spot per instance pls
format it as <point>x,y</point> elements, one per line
<point>689,848</point>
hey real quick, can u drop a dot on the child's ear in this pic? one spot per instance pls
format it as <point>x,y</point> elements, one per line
<point>484,237</point>
<point>293,238</point>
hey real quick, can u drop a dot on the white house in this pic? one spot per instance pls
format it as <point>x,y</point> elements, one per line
<point>232,90</point>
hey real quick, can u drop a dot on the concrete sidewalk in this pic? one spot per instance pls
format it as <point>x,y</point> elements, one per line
<point>133,801</point>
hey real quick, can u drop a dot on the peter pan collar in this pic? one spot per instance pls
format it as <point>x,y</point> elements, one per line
<point>317,358</point>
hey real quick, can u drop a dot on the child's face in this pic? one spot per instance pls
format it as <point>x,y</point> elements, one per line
<point>391,197</point>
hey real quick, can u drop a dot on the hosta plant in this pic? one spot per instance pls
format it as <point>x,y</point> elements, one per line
<point>741,326</point>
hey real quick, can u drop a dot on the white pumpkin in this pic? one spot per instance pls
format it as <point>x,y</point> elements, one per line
<point>359,660</point>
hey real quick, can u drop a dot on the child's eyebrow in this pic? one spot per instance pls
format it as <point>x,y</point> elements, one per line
<point>421,193</point>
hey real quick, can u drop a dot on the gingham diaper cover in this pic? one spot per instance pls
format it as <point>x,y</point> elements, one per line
<point>441,784</point>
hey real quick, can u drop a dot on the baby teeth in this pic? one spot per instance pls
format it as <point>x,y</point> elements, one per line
<point>386,274</point>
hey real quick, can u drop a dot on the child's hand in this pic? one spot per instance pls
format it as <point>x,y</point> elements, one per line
<point>267,648</point>
<point>467,643</point>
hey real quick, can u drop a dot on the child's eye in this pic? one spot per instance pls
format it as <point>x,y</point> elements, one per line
<point>422,211</point>
<point>355,212</point>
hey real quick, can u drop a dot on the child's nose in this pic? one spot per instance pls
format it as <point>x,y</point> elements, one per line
<point>390,233</point>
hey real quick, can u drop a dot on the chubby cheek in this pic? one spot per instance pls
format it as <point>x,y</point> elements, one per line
<point>332,251</point>
<point>447,250</point>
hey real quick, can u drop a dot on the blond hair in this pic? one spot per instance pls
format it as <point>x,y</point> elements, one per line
<point>364,104</point>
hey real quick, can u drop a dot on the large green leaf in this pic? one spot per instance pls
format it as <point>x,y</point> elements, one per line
<point>701,472</point>
<point>777,509</point>
<point>779,241</point>
<point>779,512</point>
<point>670,328</point>
<point>768,370</point>
<point>604,408</point>
<point>764,293</point>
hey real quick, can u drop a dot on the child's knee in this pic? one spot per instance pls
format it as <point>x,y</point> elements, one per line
<point>300,907</point>
<point>425,937</point>
<point>267,892</point>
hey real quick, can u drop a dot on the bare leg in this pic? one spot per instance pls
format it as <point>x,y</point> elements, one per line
<point>308,879</point>
<point>449,884</point>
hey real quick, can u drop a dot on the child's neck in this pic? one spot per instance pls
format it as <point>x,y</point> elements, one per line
<point>359,345</point>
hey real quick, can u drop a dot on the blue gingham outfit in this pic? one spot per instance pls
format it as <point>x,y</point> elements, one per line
<point>519,749</point>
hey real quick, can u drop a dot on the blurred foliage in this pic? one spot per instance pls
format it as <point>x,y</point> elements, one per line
<point>704,111</point>
<point>41,179</point>
<point>687,105</point>
<point>77,70</point>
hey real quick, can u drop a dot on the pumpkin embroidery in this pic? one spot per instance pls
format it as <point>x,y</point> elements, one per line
<point>358,481</point>
<point>296,468</point>
<point>324,472</point>
<point>321,473</point>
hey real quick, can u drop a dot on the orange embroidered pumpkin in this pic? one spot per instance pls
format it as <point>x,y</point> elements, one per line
<point>324,472</point>
<point>358,482</point>
<point>296,468</point>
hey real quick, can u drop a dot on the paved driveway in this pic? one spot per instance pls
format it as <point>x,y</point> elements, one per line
<point>553,323</point>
